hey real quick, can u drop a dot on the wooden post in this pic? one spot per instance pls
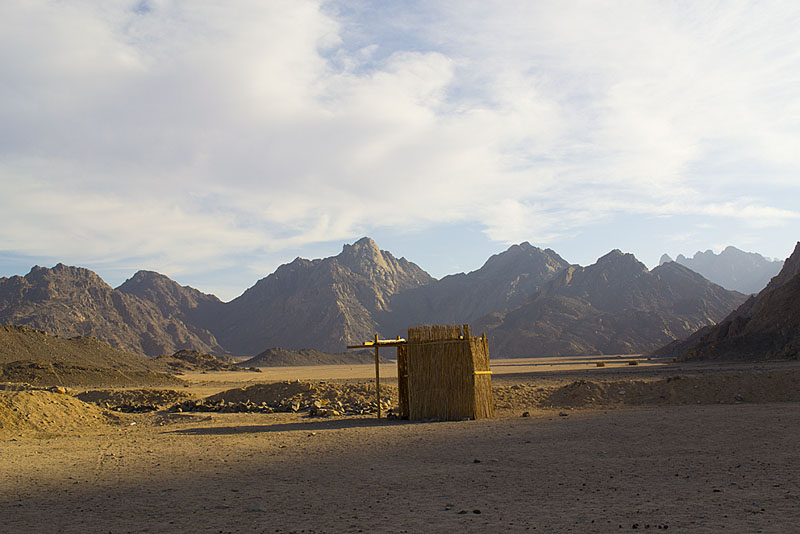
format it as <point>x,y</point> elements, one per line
<point>377,376</point>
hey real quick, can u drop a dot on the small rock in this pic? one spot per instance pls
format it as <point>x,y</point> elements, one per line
<point>526,414</point>
<point>563,414</point>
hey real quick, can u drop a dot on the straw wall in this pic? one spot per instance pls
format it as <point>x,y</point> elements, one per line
<point>442,383</point>
<point>402,379</point>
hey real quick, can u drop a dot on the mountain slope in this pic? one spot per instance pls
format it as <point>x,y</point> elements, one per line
<point>732,268</point>
<point>72,301</point>
<point>323,304</point>
<point>33,356</point>
<point>504,281</point>
<point>767,326</point>
<point>615,306</point>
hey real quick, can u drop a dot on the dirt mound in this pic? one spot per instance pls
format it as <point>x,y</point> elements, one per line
<point>37,411</point>
<point>65,374</point>
<point>133,400</point>
<point>731,387</point>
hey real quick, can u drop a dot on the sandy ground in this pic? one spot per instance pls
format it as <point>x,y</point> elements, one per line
<point>683,468</point>
<point>208,383</point>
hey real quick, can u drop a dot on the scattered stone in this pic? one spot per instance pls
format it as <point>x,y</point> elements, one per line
<point>526,414</point>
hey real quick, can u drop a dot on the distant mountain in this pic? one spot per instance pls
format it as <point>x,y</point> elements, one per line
<point>767,326</point>
<point>324,304</point>
<point>615,306</point>
<point>73,301</point>
<point>732,268</point>
<point>530,301</point>
<point>503,282</point>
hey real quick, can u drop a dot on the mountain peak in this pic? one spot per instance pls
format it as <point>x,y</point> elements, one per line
<point>664,259</point>
<point>790,269</point>
<point>64,274</point>
<point>362,253</point>
<point>363,245</point>
<point>616,256</point>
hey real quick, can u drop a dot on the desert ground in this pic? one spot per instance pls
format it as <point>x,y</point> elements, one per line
<point>654,446</point>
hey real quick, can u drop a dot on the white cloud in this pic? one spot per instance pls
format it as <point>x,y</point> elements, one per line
<point>198,132</point>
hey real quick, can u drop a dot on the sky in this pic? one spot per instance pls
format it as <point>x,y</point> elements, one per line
<point>213,141</point>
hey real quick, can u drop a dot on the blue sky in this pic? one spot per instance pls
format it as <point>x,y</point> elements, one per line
<point>213,141</point>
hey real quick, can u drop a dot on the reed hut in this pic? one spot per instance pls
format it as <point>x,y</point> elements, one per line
<point>443,373</point>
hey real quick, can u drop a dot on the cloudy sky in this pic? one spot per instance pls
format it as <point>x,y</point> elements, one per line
<point>212,140</point>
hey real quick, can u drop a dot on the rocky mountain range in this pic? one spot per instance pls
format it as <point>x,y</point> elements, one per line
<point>506,280</point>
<point>529,301</point>
<point>615,306</point>
<point>73,301</point>
<point>766,326</point>
<point>323,304</point>
<point>747,272</point>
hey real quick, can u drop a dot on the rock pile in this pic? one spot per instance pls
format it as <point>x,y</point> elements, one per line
<point>133,400</point>
<point>318,399</point>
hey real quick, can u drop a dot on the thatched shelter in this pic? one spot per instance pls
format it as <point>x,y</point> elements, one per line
<point>443,373</point>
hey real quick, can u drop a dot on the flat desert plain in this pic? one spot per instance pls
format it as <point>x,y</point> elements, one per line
<point>657,446</point>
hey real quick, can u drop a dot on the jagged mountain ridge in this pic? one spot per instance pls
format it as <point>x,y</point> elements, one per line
<point>766,326</point>
<point>323,304</point>
<point>615,306</point>
<point>504,281</point>
<point>747,272</point>
<point>328,303</point>
<point>73,301</point>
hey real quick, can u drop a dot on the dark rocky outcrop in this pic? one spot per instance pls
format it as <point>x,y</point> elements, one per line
<point>278,357</point>
<point>194,360</point>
